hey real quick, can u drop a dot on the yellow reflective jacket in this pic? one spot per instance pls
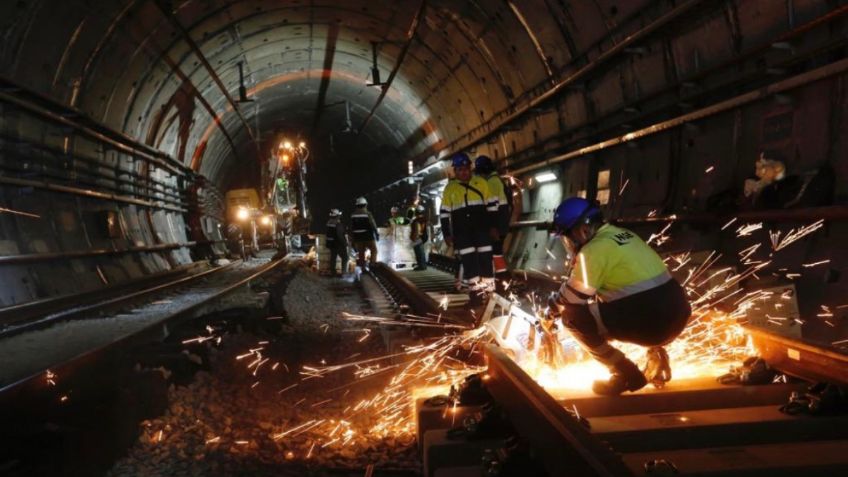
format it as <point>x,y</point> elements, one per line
<point>615,264</point>
<point>462,201</point>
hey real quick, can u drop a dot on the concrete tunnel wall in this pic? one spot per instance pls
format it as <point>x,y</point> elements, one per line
<point>140,67</point>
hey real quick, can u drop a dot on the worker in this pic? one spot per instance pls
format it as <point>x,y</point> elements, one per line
<point>419,235</point>
<point>336,241</point>
<point>411,211</point>
<point>364,232</point>
<point>499,220</point>
<point>396,218</point>
<point>620,289</point>
<point>464,214</point>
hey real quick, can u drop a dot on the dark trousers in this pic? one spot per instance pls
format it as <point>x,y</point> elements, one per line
<point>475,252</point>
<point>420,255</point>
<point>338,253</point>
<point>653,317</point>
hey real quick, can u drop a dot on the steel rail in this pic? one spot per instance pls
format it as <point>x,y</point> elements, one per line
<point>14,318</point>
<point>419,301</point>
<point>34,383</point>
<point>565,447</point>
<point>110,303</point>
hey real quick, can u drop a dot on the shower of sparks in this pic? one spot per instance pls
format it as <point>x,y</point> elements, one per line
<point>18,212</point>
<point>748,229</point>
<point>793,235</point>
<point>713,340</point>
<point>623,187</point>
<point>728,224</point>
<point>50,377</point>
<point>709,169</point>
<point>661,237</point>
<point>744,255</point>
<point>815,264</point>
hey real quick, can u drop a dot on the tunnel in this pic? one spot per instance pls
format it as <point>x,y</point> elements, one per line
<point>127,125</point>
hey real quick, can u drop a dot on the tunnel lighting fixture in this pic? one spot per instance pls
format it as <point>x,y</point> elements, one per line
<point>411,168</point>
<point>543,177</point>
<point>302,144</point>
<point>285,158</point>
<point>242,213</point>
<point>265,220</point>
<point>287,145</point>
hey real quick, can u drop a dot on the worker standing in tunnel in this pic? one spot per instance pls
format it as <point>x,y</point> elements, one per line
<point>363,229</point>
<point>336,241</point>
<point>466,205</point>
<point>619,289</point>
<point>499,219</point>
<point>419,235</point>
<point>396,218</point>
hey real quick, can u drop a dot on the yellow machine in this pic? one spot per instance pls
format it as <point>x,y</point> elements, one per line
<point>241,204</point>
<point>248,226</point>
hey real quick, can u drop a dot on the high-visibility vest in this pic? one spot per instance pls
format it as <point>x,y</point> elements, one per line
<point>362,226</point>
<point>615,264</point>
<point>465,201</point>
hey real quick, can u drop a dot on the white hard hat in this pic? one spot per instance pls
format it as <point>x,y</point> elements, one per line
<point>335,213</point>
<point>361,201</point>
<point>395,209</point>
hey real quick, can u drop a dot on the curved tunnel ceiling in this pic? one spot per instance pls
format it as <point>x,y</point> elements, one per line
<point>158,70</point>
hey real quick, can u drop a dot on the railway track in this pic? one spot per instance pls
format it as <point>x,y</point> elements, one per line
<point>99,330</point>
<point>691,427</point>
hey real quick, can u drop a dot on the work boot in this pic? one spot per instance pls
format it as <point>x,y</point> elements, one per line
<point>626,376</point>
<point>657,368</point>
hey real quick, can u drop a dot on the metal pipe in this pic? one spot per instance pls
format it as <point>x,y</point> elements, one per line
<point>701,74</point>
<point>86,193</point>
<point>720,107</point>
<point>41,257</point>
<point>92,129</point>
<point>466,140</point>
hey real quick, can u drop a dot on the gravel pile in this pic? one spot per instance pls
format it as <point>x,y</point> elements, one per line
<point>258,411</point>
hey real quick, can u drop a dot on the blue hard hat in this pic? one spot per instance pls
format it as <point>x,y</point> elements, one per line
<point>572,211</point>
<point>461,159</point>
<point>484,164</point>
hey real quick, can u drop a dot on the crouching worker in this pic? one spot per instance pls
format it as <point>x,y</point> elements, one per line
<point>619,289</point>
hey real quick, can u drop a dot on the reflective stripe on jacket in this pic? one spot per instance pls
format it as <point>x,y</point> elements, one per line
<point>469,201</point>
<point>362,225</point>
<point>615,264</point>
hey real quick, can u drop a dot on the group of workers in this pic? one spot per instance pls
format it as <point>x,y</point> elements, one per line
<point>474,217</point>
<point>618,289</point>
<point>364,235</point>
